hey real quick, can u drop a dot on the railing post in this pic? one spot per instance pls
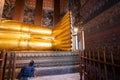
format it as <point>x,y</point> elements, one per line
<point>4,68</point>
<point>112,61</point>
<point>99,66</point>
<point>9,67</point>
<point>105,66</point>
<point>81,68</point>
<point>2,63</point>
<point>13,66</point>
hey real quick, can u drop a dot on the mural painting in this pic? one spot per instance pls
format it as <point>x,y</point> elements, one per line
<point>29,15</point>
<point>47,19</point>
<point>8,9</point>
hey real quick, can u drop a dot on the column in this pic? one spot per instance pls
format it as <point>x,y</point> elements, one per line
<point>19,10</point>
<point>56,11</point>
<point>38,12</point>
<point>1,8</point>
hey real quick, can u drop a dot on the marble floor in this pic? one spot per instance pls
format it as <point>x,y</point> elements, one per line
<point>72,76</point>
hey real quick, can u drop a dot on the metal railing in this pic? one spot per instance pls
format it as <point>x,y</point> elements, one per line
<point>100,63</point>
<point>11,66</point>
<point>3,55</point>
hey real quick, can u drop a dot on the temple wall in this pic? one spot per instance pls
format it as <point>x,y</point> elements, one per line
<point>104,30</point>
<point>102,39</point>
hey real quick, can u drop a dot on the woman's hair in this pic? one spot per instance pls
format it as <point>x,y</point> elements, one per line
<point>31,63</point>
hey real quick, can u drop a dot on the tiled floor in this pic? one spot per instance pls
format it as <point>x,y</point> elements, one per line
<point>72,76</point>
